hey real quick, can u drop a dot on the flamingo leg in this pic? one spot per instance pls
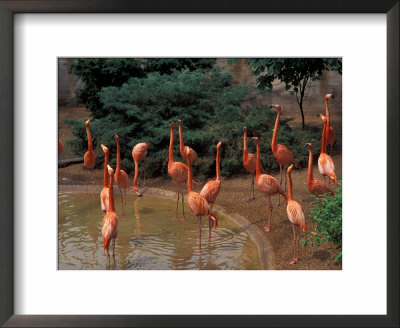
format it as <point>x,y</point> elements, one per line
<point>177,204</point>
<point>86,182</point>
<point>280,183</point>
<point>199,228</point>
<point>298,242</point>
<point>209,227</point>
<point>252,187</point>
<point>183,207</point>
<point>294,245</point>
<point>92,181</point>
<point>145,167</point>
<point>267,228</point>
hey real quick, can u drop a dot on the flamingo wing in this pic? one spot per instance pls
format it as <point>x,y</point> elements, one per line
<point>319,187</point>
<point>295,214</point>
<point>325,164</point>
<point>198,204</point>
<point>211,190</point>
<point>178,172</point>
<point>283,155</point>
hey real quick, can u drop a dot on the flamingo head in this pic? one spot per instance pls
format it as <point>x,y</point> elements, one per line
<point>87,123</point>
<point>187,150</point>
<point>105,149</point>
<point>147,143</point>
<point>303,226</point>
<point>256,140</point>
<point>116,138</point>
<point>171,125</point>
<point>110,170</point>
<point>277,107</point>
<point>180,123</point>
<point>329,96</point>
<point>245,129</point>
<point>323,118</point>
<point>219,145</point>
<point>289,169</point>
<point>309,145</point>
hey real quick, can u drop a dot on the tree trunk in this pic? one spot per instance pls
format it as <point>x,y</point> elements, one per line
<point>302,114</point>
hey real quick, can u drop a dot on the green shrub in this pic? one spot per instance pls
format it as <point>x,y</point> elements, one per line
<point>327,214</point>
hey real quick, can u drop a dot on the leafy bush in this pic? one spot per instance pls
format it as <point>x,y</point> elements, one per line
<point>97,73</point>
<point>327,214</point>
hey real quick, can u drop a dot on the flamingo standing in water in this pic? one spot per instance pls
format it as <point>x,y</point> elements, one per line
<point>281,153</point>
<point>121,178</point>
<point>177,170</point>
<point>139,153</point>
<point>109,227</point>
<point>267,185</point>
<point>197,203</point>
<point>330,131</point>
<point>211,189</point>
<point>104,192</point>
<point>325,162</point>
<point>316,186</point>
<point>183,148</point>
<point>249,163</point>
<point>88,158</point>
<point>296,217</point>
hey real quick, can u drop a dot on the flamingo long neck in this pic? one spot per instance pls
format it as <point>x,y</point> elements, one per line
<point>89,139</point>
<point>111,205</point>
<point>290,193</point>
<point>171,147</point>
<point>258,166</point>
<point>181,144</point>
<point>189,180</point>
<point>105,179</point>
<point>274,136</point>
<point>328,122</point>
<point>323,144</point>
<point>245,142</point>
<point>118,158</point>
<point>310,168</point>
<point>217,165</point>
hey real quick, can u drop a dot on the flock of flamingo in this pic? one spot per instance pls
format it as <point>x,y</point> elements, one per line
<point>201,204</point>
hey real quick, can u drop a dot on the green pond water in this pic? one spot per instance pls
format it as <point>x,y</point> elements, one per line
<point>148,238</point>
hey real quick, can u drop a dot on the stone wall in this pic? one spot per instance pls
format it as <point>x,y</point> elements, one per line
<point>68,84</point>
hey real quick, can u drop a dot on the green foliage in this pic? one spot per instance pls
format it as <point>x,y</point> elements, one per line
<point>97,73</point>
<point>327,214</point>
<point>296,73</point>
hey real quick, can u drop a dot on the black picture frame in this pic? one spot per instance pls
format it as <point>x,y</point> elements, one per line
<point>7,10</point>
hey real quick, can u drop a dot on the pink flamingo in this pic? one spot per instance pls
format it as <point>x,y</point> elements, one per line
<point>60,146</point>
<point>198,203</point>
<point>139,153</point>
<point>267,185</point>
<point>316,186</point>
<point>121,178</point>
<point>249,163</point>
<point>183,148</point>
<point>281,153</point>
<point>177,170</point>
<point>296,217</point>
<point>330,137</point>
<point>88,158</point>
<point>211,189</point>
<point>109,226</point>
<point>104,198</point>
<point>325,162</point>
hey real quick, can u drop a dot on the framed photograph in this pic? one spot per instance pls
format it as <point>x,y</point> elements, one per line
<point>54,272</point>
